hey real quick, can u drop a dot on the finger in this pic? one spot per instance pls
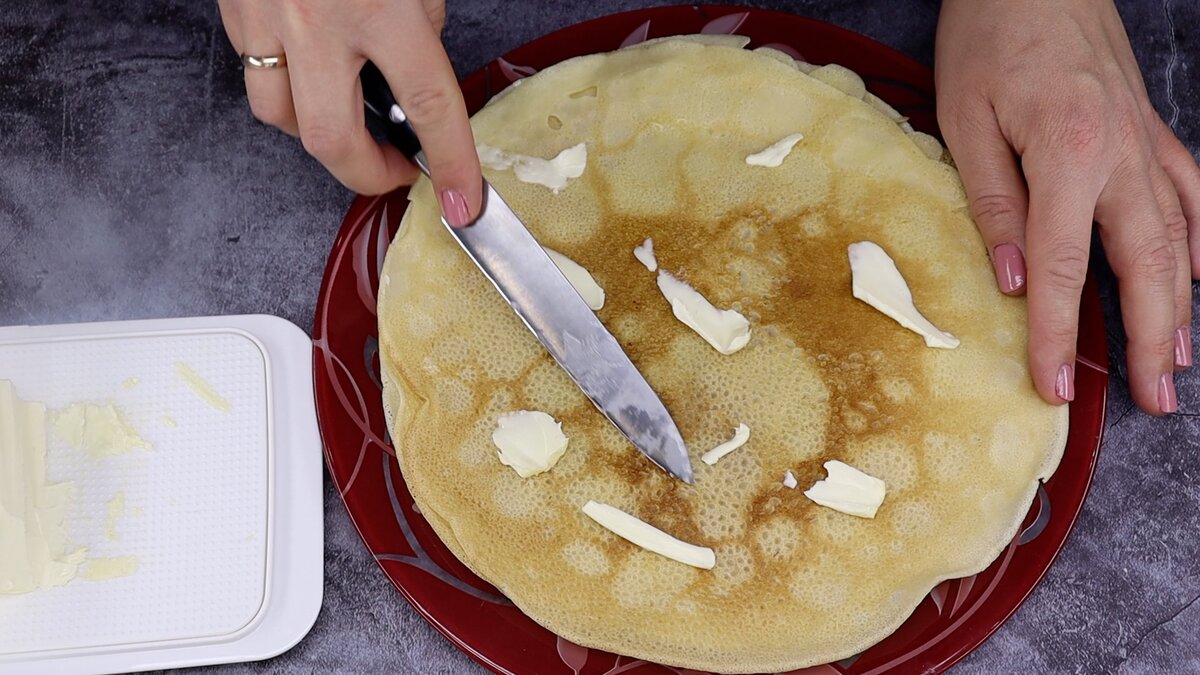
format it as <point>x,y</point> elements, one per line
<point>427,90</point>
<point>996,190</point>
<point>1140,251</point>
<point>329,113</point>
<point>1177,232</point>
<point>1181,168</point>
<point>232,21</point>
<point>1061,203</point>
<point>436,11</point>
<point>268,89</point>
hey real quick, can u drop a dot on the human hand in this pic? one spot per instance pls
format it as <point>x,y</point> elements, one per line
<point>318,98</point>
<point>1043,107</point>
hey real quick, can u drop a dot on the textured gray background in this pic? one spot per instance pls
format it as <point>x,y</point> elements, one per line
<point>135,184</point>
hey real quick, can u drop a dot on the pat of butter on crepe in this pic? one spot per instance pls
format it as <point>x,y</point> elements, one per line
<point>649,537</point>
<point>553,173</point>
<point>774,154</point>
<point>740,435</point>
<point>645,254</point>
<point>531,442</point>
<point>848,490</point>
<point>580,278</point>
<point>725,329</point>
<point>878,283</point>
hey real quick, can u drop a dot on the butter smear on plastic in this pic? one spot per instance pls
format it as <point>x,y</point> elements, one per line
<point>34,551</point>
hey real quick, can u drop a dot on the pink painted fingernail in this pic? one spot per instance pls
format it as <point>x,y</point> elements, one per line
<point>454,208</point>
<point>1010,268</point>
<point>1064,384</point>
<point>1183,347</point>
<point>1166,394</point>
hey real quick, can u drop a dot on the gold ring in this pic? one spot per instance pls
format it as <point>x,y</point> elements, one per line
<point>264,62</point>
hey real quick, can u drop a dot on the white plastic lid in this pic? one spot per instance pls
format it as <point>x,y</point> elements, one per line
<point>223,514</point>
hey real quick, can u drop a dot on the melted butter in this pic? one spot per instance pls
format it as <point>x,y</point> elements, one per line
<point>116,510</point>
<point>848,490</point>
<point>643,534</point>
<point>789,480</point>
<point>530,442</point>
<point>202,388</point>
<point>725,329</point>
<point>553,173</point>
<point>103,569</point>
<point>774,154</point>
<point>34,552</point>
<point>645,254</point>
<point>99,430</point>
<point>580,278</point>
<point>740,436</point>
<point>877,282</point>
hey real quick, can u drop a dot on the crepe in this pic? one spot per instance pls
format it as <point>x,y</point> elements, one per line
<point>959,436</point>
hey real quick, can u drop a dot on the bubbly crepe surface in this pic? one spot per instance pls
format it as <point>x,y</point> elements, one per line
<point>960,437</point>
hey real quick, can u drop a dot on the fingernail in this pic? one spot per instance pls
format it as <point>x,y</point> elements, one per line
<point>454,208</point>
<point>1183,347</point>
<point>1010,268</point>
<point>1064,385</point>
<point>1166,394</point>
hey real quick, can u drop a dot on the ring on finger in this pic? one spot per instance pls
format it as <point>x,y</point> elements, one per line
<point>264,62</point>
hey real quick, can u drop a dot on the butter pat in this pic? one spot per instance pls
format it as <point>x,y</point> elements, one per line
<point>878,283</point>
<point>645,254</point>
<point>531,442</point>
<point>99,430</point>
<point>580,278</point>
<point>553,173</point>
<point>848,490</point>
<point>725,329</point>
<point>774,154</point>
<point>740,436</point>
<point>789,480</point>
<point>34,552</point>
<point>649,537</point>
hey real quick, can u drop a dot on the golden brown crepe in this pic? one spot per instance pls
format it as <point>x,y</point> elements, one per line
<point>959,436</point>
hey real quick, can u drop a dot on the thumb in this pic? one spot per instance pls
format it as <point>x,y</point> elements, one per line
<point>996,190</point>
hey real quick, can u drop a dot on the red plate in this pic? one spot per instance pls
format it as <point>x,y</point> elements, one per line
<point>956,617</point>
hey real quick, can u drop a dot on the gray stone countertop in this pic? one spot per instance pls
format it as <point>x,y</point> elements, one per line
<point>135,184</point>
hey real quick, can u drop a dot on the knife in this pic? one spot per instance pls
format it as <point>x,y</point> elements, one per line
<point>502,247</point>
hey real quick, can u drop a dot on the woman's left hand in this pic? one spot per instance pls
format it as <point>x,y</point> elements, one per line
<point>1043,107</point>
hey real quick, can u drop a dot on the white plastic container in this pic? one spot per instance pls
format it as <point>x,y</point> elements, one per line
<point>223,514</point>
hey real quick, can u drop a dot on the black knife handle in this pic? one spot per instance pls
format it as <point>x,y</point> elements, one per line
<point>385,119</point>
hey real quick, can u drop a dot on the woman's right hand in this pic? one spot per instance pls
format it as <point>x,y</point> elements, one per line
<point>318,98</point>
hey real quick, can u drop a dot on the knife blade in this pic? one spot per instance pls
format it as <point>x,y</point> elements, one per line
<point>509,256</point>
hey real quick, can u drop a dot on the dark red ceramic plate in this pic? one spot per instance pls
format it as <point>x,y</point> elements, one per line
<point>956,617</point>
